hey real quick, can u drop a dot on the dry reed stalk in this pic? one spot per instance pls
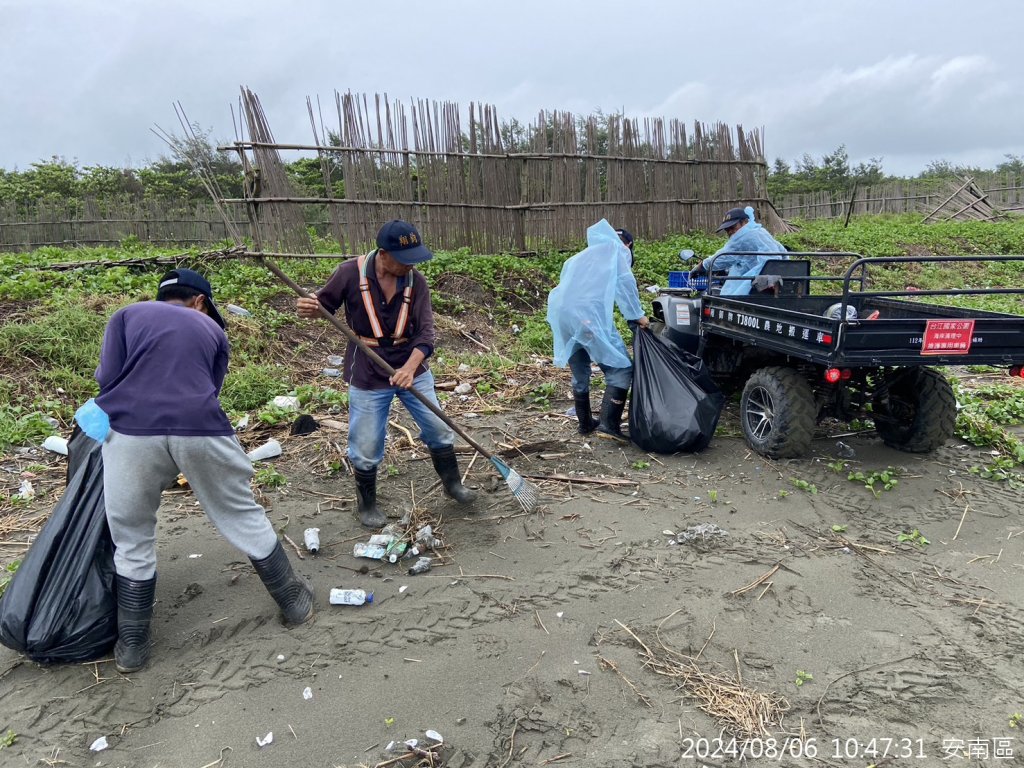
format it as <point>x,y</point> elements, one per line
<point>737,708</point>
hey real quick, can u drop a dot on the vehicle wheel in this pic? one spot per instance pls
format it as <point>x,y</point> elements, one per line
<point>917,414</point>
<point>778,413</point>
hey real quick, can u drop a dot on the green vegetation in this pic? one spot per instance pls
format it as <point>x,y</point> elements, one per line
<point>268,477</point>
<point>51,321</point>
<point>5,579</point>
<point>915,537</point>
<point>802,677</point>
<point>833,173</point>
<point>803,485</point>
<point>8,738</point>
<point>886,478</point>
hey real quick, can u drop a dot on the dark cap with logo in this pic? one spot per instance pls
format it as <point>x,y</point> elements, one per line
<point>187,278</point>
<point>625,237</point>
<point>732,216</point>
<point>401,240</point>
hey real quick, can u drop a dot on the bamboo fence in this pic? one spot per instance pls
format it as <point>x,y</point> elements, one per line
<point>456,177</point>
<point>67,224</point>
<point>900,197</point>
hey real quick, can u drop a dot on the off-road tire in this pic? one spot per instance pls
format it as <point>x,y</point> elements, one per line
<point>920,414</point>
<point>778,412</point>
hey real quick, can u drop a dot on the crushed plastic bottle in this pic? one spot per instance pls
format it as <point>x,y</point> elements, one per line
<point>844,451</point>
<point>371,551</point>
<point>234,309</point>
<point>335,360</point>
<point>56,444</point>
<point>350,597</point>
<point>425,538</point>
<point>421,566</point>
<point>312,539</point>
<point>268,450</point>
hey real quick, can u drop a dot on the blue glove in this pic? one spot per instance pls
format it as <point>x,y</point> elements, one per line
<point>93,420</point>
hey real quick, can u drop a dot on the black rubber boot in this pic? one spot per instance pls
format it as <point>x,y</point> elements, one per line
<point>366,497</point>
<point>447,466</point>
<point>583,413</point>
<point>134,613</point>
<point>612,405</point>
<point>292,593</point>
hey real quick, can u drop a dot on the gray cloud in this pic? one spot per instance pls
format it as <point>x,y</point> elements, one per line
<point>908,82</point>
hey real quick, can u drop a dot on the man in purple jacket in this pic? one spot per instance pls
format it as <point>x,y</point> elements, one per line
<point>161,368</point>
<point>387,303</point>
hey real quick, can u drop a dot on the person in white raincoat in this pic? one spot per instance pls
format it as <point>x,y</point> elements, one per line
<point>745,234</point>
<point>580,310</point>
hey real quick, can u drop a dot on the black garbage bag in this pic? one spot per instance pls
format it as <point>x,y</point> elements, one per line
<point>675,404</point>
<point>60,606</point>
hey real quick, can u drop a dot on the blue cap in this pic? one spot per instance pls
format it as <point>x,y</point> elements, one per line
<point>733,217</point>
<point>188,278</point>
<point>401,240</point>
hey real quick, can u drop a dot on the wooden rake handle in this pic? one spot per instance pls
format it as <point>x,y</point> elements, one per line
<point>342,326</point>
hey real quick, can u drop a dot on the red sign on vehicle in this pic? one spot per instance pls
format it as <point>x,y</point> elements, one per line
<point>947,337</point>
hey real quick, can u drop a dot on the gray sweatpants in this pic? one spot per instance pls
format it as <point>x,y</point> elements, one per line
<point>136,469</point>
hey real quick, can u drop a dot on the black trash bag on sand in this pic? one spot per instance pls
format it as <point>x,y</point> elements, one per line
<point>675,404</point>
<point>60,606</point>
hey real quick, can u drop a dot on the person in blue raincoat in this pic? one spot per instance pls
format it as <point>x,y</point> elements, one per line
<point>580,313</point>
<point>745,234</point>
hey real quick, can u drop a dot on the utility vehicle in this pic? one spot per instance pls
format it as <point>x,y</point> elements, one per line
<point>828,345</point>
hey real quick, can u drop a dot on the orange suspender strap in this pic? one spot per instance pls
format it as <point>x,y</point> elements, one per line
<point>371,310</point>
<point>403,315</point>
<point>364,290</point>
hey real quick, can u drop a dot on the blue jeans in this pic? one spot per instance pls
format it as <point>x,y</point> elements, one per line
<point>579,364</point>
<point>368,411</point>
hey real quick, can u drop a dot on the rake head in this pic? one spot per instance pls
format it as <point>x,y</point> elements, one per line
<point>525,492</point>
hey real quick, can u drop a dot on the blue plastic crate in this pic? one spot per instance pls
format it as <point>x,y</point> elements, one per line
<point>682,280</point>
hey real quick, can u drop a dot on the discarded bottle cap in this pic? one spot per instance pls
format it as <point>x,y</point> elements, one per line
<point>312,537</point>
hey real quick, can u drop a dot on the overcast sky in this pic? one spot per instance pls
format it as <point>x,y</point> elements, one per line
<point>905,81</point>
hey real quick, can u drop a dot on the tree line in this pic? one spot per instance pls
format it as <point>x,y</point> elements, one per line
<point>170,179</point>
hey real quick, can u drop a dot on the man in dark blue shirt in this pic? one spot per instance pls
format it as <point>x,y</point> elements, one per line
<point>161,368</point>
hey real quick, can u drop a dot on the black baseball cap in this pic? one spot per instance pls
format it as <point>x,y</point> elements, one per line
<point>187,278</point>
<point>625,237</point>
<point>401,240</point>
<point>732,216</point>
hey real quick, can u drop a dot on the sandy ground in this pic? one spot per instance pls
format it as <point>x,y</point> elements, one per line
<point>615,627</point>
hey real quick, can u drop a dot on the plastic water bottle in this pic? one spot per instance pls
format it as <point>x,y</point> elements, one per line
<point>350,597</point>
<point>426,539</point>
<point>396,550</point>
<point>268,450</point>
<point>372,551</point>
<point>421,566</point>
<point>312,537</point>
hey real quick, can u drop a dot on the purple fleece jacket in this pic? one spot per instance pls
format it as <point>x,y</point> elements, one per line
<point>161,369</point>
